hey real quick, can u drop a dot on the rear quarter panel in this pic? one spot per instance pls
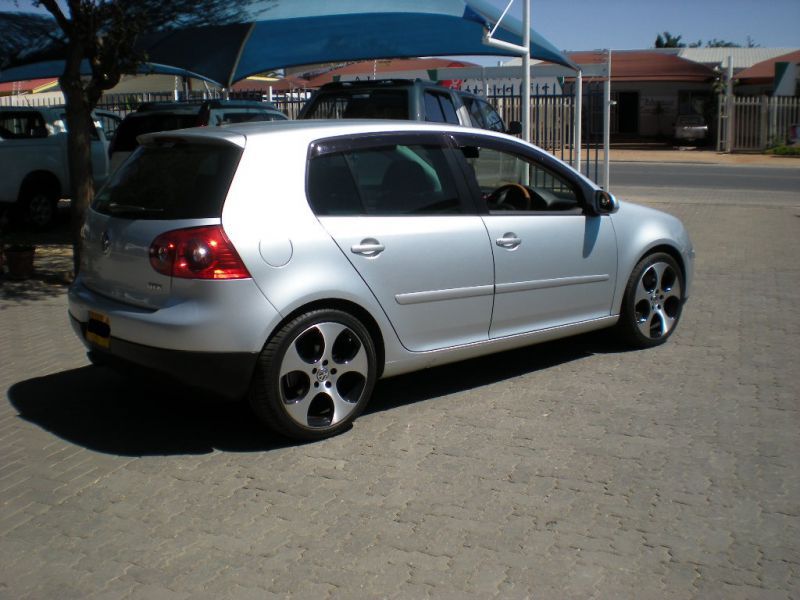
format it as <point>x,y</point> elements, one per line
<point>292,259</point>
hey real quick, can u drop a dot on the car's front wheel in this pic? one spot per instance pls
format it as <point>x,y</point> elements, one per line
<point>315,375</point>
<point>653,301</point>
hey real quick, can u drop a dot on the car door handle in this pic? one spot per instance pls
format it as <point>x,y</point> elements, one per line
<point>368,247</point>
<point>509,240</point>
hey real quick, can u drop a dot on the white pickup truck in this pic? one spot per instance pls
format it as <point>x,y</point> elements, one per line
<point>34,172</point>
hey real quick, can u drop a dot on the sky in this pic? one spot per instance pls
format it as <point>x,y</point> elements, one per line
<point>634,24</point>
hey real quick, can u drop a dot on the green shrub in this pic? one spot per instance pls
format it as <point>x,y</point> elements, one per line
<point>784,150</point>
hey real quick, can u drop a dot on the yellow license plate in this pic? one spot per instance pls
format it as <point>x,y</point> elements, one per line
<point>98,330</point>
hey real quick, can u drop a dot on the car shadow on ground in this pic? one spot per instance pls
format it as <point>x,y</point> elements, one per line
<point>107,412</point>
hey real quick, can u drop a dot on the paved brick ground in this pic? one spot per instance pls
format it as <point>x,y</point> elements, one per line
<point>568,470</point>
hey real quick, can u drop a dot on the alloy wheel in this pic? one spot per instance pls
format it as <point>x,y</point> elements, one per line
<point>657,301</point>
<point>323,374</point>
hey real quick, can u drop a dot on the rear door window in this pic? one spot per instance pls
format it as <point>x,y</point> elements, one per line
<point>439,108</point>
<point>171,180</point>
<point>397,179</point>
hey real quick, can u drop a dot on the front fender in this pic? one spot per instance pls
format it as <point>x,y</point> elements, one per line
<point>640,231</point>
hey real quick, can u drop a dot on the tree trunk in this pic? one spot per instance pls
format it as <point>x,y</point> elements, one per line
<point>80,129</point>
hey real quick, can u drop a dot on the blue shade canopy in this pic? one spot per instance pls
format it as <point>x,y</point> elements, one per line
<point>54,68</point>
<point>269,34</point>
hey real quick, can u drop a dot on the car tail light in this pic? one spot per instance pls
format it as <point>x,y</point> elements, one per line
<point>197,253</point>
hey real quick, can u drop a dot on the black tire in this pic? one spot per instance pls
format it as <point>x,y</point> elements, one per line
<point>653,301</point>
<point>336,371</point>
<point>39,205</point>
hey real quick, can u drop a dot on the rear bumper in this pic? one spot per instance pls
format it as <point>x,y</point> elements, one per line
<point>225,373</point>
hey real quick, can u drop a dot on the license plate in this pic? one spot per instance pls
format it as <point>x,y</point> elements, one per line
<point>98,330</point>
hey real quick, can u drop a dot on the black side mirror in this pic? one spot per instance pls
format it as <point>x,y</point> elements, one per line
<point>514,128</point>
<point>605,203</point>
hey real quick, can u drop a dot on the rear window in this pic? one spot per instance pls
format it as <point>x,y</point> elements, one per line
<point>360,104</point>
<point>171,181</point>
<point>136,125</point>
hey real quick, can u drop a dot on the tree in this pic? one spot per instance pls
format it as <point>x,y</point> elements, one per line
<point>105,33</point>
<point>715,43</point>
<point>667,40</point>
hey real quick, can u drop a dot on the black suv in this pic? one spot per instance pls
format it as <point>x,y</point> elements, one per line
<point>405,99</point>
<point>166,116</point>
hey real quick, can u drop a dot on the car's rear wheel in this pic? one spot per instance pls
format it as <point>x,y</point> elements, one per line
<point>315,375</point>
<point>653,301</point>
<point>38,204</point>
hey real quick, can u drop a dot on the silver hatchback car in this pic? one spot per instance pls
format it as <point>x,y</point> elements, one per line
<point>295,263</point>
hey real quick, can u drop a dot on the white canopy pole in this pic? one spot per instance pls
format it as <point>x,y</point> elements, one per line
<point>578,118</point>
<point>525,52</point>
<point>607,126</point>
<point>526,71</point>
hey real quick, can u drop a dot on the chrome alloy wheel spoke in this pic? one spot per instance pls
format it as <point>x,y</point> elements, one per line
<point>292,361</point>
<point>657,300</point>
<point>299,409</point>
<point>331,365</point>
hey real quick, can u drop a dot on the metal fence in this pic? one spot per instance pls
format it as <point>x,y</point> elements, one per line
<point>552,113</point>
<point>553,120</point>
<point>757,122</point>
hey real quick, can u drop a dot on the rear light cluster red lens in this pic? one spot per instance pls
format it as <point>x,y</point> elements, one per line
<point>197,253</point>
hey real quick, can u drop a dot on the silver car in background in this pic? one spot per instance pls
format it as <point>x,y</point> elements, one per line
<point>295,263</point>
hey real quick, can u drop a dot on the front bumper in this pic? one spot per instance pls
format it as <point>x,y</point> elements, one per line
<point>225,373</point>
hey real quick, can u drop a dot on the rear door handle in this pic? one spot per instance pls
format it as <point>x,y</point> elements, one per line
<point>368,247</point>
<point>509,240</point>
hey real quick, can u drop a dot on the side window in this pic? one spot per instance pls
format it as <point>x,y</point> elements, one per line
<point>93,133</point>
<point>491,117</point>
<point>383,181</point>
<point>510,182</point>
<point>475,112</point>
<point>109,124</point>
<point>22,125</point>
<point>439,108</point>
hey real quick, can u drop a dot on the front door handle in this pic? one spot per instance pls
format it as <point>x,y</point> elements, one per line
<point>368,247</point>
<point>509,241</point>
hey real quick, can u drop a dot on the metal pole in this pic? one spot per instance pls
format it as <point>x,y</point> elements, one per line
<point>526,71</point>
<point>578,118</point>
<point>607,126</point>
<point>729,108</point>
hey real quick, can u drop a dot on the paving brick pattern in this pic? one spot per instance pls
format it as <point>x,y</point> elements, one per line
<point>573,469</point>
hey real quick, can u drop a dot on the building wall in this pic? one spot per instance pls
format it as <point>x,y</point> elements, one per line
<point>658,104</point>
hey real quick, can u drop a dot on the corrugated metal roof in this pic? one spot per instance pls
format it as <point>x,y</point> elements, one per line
<point>765,70</point>
<point>646,65</point>
<point>743,58</point>
<point>26,87</point>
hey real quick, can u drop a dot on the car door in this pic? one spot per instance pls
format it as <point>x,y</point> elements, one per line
<point>396,210</point>
<point>555,263</point>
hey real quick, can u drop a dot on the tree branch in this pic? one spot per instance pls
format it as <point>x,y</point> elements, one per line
<point>54,9</point>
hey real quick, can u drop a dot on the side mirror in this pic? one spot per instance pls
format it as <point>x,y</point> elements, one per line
<point>514,128</point>
<point>605,203</point>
